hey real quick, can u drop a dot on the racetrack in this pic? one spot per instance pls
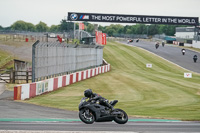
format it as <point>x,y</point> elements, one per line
<point>133,127</point>
<point>23,117</point>
<point>33,117</point>
<point>172,54</point>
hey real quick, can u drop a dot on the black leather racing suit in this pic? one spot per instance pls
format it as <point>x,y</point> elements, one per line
<point>101,99</point>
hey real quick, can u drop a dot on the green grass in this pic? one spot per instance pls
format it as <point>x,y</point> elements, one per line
<point>157,92</point>
<point>5,58</point>
<point>193,49</point>
<point>19,41</point>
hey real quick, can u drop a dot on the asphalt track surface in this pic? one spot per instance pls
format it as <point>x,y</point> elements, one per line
<point>172,53</point>
<point>138,127</point>
<point>22,117</point>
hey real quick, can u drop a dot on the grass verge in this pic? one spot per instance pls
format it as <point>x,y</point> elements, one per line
<point>5,58</point>
<point>157,92</point>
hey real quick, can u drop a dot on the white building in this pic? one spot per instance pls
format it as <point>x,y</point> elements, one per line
<point>185,32</point>
<point>188,36</point>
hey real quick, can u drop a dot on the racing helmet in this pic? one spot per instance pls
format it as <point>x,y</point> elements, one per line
<point>88,93</point>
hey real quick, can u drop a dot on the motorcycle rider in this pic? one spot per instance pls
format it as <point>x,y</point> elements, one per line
<point>163,43</point>
<point>93,96</point>
<point>183,51</point>
<point>195,58</point>
<point>157,45</point>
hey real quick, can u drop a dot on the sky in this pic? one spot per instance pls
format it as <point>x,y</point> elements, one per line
<point>52,12</point>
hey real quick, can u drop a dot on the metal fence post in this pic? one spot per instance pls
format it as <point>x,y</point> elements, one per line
<point>33,60</point>
<point>13,76</point>
<point>26,76</point>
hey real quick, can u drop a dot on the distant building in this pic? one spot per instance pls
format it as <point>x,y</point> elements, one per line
<point>185,32</point>
<point>187,36</point>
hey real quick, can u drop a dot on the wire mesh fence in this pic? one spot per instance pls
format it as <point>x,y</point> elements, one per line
<point>51,59</point>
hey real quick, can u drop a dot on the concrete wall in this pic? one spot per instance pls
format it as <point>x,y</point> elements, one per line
<point>196,44</point>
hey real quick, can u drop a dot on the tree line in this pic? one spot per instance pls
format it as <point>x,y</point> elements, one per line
<point>111,30</point>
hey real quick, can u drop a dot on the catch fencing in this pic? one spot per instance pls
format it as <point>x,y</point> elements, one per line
<point>51,59</point>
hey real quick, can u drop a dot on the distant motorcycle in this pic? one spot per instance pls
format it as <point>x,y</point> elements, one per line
<point>183,51</point>
<point>157,45</point>
<point>90,111</point>
<point>129,41</point>
<point>163,44</point>
<point>195,58</point>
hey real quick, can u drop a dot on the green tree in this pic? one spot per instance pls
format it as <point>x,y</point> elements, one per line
<point>66,26</point>
<point>153,29</point>
<point>30,27</point>
<point>126,28</point>
<point>140,29</point>
<point>54,28</point>
<point>110,31</point>
<point>85,23</point>
<point>128,31</point>
<point>101,28</point>
<point>119,28</point>
<point>90,28</point>
<point>42,27</point>
<point>19,25</point>
<point>1,28</point>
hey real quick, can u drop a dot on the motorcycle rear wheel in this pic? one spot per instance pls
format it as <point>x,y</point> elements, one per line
<point>85,117</point>
<point>121,119</point>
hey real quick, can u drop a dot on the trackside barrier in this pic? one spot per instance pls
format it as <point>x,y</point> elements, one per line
<point>176,43</point>
<point>26,91</point>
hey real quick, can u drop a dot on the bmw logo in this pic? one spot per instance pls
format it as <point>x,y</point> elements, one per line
<point>74,16</point>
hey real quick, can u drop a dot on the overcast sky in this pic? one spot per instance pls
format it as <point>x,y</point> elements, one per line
<point>52,12</point>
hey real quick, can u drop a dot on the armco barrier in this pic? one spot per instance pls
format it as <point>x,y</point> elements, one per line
<point>26,91</point>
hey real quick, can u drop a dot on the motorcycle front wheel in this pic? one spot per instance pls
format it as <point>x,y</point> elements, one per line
<point>86,116</point>
<point>122,118</point>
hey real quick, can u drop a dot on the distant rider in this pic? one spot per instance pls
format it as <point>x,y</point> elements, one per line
<point>93,96</point>
<point>163,43</point>
<point>183,51</point>
<point>195,58</point>
<point>157,45</point>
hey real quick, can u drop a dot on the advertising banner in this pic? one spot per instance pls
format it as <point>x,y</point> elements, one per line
<point>100,38</point>
<point>119,18</point>
<point>103,38</point>
<point>81,26</point>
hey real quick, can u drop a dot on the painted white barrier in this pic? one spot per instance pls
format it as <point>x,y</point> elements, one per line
<point>67,79</point>
<point>79,75</point>
<point>99,70</point>
<point>89,71</point>
<point>60,81</point>
<point>25,91</point>
<point>74,77</point>
<point>84,74</point>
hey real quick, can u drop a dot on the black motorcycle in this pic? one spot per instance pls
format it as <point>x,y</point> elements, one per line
<point>90,111</point>
<point>157,45</point>
<point>163,44</point>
